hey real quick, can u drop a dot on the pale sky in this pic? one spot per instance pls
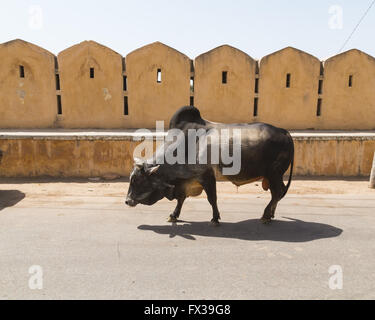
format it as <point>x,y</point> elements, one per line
<point>192,27</point>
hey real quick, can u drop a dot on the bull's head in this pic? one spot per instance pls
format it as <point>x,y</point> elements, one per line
<point>147,185</point>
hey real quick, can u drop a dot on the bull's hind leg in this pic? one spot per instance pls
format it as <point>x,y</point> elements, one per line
<point>176,213</point>
<point>208,183</point>
<point>277,190</point>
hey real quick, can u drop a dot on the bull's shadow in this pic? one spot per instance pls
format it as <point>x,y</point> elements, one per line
<point>9,198</point>
<point>292,230</point>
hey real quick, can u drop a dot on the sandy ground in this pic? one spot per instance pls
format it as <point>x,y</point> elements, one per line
<point>300,185</point>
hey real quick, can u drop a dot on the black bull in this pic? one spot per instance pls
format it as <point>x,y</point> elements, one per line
<point>266,154</point>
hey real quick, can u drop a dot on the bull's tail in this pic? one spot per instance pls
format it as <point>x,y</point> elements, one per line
<point>291,172</point>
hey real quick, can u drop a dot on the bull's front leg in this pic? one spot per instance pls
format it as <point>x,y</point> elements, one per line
<point>209,185</point>
<point>176,213</point>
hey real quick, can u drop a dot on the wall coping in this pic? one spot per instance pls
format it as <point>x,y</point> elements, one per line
<point>129,134</point>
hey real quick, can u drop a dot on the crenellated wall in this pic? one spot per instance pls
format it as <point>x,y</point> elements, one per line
<point>27,86</point>
<point>349,91</point>
<point>224,88</point>
<point>158,80</point>
<point>91,86</point>
<point>288,95</point>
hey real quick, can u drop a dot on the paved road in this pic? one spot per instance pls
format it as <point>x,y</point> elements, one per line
<point>94,247</point>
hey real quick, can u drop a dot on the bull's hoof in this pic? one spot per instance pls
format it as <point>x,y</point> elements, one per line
<point>215,223</point>
<point>172,219</point>
<point>266,220</point>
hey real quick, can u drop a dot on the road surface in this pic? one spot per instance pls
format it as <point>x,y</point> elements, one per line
<point>77,240</point>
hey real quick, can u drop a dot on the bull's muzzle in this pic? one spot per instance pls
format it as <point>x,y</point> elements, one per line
<point>130,202</point>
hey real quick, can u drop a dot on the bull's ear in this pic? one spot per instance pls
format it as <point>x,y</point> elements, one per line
<point>153,170</point>
<point>138,163</point>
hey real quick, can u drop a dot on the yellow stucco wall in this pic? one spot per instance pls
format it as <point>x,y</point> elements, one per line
<point>230,102</point>
<point>91,102</point>
<point>334,157</point>
<point>28,102</point>
<point>345,107</point>
<point>65,158</point>
<point>30,157</point>
<point>293,107</point>
<point>149,100</point>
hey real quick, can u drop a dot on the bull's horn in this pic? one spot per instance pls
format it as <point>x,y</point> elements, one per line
<point>153,169</point>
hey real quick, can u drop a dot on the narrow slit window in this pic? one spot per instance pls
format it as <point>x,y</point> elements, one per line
<point>191,101</point>
<point>350,81</point>
<point>288,80</point>
<point>59,105</point>
<point>92,73</point>
<point>126,106</point>
<point>22,72</point>
<point>224,77</point>
<point>56,64</point>
<point>158,76</point>
<point>256,85</point>
<point>319,108</point>
<point>125,83</point>
<point>320,89</point>
<point>57,82</point>
<point>255,113</point>
<point>191,84</point>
